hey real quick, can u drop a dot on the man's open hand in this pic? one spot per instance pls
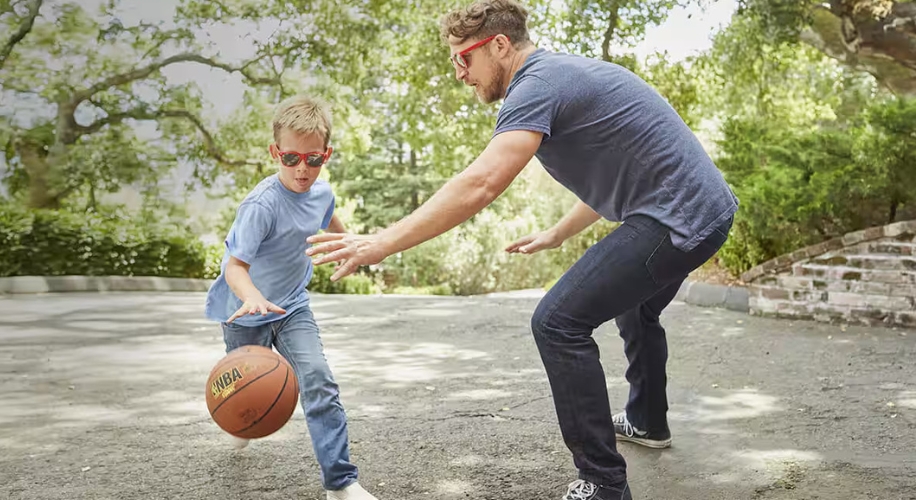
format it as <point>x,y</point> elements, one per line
<point>536,242</point>
<point>350,250</point>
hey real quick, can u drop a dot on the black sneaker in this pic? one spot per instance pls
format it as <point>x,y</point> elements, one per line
<point>584,490</point>
<point>626,432</point>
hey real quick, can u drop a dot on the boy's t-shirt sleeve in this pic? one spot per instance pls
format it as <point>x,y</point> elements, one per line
<point>253,223</point>
<point>532,105</point>
<point>326,221</point>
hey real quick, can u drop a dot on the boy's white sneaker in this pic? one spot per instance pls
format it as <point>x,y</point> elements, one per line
<point>351,492</point>
<point>238,443</point>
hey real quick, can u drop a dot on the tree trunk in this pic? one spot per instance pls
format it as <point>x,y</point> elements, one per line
<point>882,43</point>
<point>92,204</point>
<point>613,21</point>
<point>38,169</point>
<point>415,194</point>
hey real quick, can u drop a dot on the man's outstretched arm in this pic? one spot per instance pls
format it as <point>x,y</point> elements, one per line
<point>458,200</point>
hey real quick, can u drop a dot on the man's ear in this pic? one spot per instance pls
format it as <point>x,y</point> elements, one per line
<point>503,42</point>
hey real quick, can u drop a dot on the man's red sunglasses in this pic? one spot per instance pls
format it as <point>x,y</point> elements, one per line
<point>460,60</point>
<point>312,159</point>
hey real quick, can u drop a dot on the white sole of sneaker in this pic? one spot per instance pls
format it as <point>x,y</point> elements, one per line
<point>648,443</point>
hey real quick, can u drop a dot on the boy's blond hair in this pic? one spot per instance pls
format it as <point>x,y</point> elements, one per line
<point>305,115</point>
<point>484,18</point>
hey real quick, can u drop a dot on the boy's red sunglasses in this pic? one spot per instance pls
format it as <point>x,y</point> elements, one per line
<point>312,159</point>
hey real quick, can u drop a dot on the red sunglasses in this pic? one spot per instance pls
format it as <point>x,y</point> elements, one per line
<point>459,59</point>
<point>312,159</point>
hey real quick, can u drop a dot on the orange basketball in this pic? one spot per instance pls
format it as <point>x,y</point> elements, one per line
<point>252,392</point>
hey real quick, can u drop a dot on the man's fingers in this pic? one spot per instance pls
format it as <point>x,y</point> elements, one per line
<point>520,243</point>
<point>344,254</point>
<point>344,270</point>
<point>326,247</point>
<point>275,308</point>
<point>321,238</point>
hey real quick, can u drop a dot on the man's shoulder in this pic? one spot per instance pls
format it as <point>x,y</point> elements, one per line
<point>571,72</point>
<point>555,73</point>
<point>546,63</point>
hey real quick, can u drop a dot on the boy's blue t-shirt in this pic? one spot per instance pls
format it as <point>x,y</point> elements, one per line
<point>611,139</point>
<point>269,233</point>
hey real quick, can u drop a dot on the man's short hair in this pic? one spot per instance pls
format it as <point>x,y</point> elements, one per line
<point>485,18</point>
<point>305,115</point>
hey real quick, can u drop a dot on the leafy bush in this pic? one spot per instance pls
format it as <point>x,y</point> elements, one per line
<point>54,243</point>
<point>470,259</point>
<point>357,284</point>
<point>800,187</point>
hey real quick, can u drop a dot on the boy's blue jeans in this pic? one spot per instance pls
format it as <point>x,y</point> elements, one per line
<point>296,338</point>
<point>631,275</point>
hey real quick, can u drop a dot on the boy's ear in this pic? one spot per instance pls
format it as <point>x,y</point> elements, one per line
<point>274,150</point>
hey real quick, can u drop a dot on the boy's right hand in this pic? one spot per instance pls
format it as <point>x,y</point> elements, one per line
<point>255,305</point>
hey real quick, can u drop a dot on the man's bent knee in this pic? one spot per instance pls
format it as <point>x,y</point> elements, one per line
<point>540,320</point>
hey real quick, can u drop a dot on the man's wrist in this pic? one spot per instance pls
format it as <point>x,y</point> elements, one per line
<point>555,235</point>
<point>386,242</point>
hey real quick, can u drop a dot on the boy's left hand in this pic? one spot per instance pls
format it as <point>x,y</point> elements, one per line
<point>254,306</point>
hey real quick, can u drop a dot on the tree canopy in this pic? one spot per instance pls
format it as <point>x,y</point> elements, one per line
<point>792,98</point>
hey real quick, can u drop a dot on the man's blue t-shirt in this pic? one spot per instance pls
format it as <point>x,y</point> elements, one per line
<point>269,233</point>
<point>611,139</point>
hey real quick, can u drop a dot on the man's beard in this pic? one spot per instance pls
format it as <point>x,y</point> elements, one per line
<point>494,91</point>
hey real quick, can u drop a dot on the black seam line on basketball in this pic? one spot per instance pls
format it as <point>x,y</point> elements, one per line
<point>271,407</point>
<point>246,385</point>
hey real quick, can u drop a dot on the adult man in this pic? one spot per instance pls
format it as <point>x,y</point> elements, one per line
<point>612,140</point>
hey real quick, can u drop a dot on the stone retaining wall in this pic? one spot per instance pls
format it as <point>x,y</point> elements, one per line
<point>59,284</point>
<point>867,277</point>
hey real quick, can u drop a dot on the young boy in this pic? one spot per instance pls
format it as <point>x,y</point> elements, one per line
<point>260,296</point>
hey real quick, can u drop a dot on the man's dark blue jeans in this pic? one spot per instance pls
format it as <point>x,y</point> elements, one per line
<point>631,276</point>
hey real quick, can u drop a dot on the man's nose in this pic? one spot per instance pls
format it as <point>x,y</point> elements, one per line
<point>460,73</point>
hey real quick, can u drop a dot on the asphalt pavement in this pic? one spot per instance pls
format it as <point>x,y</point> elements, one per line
<point>103,398</point>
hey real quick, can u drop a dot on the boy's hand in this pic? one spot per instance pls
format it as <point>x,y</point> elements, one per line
<point>255,305</point>
<point>535,242</point>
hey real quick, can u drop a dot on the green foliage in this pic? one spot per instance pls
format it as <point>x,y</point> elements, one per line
<point>678,83</point>
<point>812,148</point>
<point>778,20</point>
<point>54,243</point>
<point>471,258</point>
<point>801,186</point>
<point>354,284</point>
<point>601,30</point>
<point>748,74</point>
<point>783,20</point>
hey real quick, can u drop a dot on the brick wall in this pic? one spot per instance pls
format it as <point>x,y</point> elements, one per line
<point>866,277</point>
